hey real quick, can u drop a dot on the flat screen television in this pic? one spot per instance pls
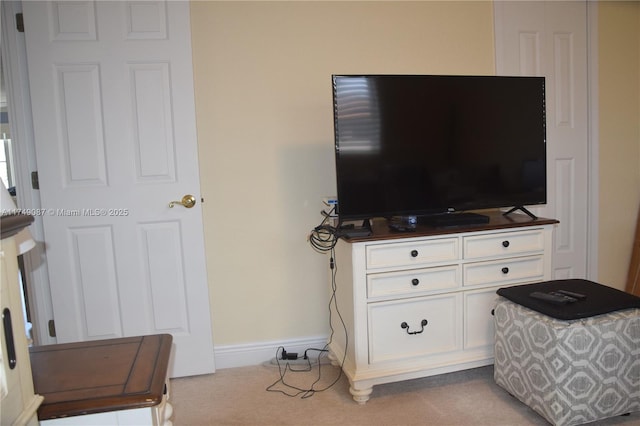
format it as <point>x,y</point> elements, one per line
<point>419,145</point>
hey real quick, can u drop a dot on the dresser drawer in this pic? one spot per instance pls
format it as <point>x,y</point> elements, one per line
<point>419,327</point>
<point>513,270</point>
<point>412,282</point>
<point>412,254</point>
<point>503,244</point>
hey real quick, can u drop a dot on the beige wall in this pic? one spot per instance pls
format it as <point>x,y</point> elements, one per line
<point>263,99</point>
<point>619,109</point>
<point>265,132</point>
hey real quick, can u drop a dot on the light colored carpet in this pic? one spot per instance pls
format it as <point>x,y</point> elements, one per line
<point>238,396</point>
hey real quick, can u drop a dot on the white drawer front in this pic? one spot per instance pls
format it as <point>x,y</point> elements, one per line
<point>389,340</point>
<point>519,269</point>
<point>412,253</point>
<point>412,282</point>
<point>503,244</point>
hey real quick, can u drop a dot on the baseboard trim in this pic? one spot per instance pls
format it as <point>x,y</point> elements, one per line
<point>230,356</point>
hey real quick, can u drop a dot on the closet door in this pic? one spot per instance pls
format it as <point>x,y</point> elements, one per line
<point>550,39</point>
<point>114,123</point>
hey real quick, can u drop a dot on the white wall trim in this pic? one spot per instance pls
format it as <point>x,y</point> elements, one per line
<point>242,355</point>
<point>593,140</point>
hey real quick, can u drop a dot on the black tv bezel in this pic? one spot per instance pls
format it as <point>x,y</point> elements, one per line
<point>424,212</point>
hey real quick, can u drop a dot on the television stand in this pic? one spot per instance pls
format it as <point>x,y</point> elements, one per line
<point>523,209</point>
<point>448,220</point>
<point>419,304</point>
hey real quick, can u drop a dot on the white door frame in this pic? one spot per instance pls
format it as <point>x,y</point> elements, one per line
<point>14,62</point>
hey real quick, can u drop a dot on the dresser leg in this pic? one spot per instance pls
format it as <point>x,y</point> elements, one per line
<point>163,412</point>
<point>361,396</point>
<point>168,412</point>
<point>168,409</point>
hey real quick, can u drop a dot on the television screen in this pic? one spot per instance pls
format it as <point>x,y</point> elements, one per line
<point>413,145</point>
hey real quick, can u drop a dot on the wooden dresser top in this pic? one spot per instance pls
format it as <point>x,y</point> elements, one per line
<point>381,231</point>
<point>101,375</point>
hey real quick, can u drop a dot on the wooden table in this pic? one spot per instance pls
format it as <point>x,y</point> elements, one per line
<point>101,376</point>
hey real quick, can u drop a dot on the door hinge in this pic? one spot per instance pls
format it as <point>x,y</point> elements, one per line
<point>52,328</point>
<point>19,22</point>
<point>35,183</point>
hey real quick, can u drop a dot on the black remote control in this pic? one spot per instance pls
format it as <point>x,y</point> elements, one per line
<point>556,299</point>
<point>571,294</point>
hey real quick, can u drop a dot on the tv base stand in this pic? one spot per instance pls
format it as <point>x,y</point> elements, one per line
<point>352,231</point>
<point>523,210</point>
<point>418,304</point>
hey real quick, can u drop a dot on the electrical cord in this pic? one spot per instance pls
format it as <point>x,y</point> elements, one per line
<point>324,237</point>
<point>295,391</point>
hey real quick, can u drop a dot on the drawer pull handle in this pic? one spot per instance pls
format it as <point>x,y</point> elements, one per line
<point>405,326</point>
<point>505,243</point>
<point>415,281</point>
<point>8,337</point>
<point>414,253</point>
<point>505,270</point>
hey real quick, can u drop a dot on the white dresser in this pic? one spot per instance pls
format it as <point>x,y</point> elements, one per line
<point>419,304</point>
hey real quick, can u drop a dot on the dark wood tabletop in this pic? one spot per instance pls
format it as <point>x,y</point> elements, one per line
<point>100,375</point>
<point>497,220</point>
<point>11,224</point>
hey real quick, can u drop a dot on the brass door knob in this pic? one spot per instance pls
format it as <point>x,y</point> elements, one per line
<point>187,201</point>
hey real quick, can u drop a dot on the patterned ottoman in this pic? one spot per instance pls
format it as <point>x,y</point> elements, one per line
<point>569,371</point>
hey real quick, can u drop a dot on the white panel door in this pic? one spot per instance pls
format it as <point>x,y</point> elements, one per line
<point>550,39</point>
<point>113,109</point>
